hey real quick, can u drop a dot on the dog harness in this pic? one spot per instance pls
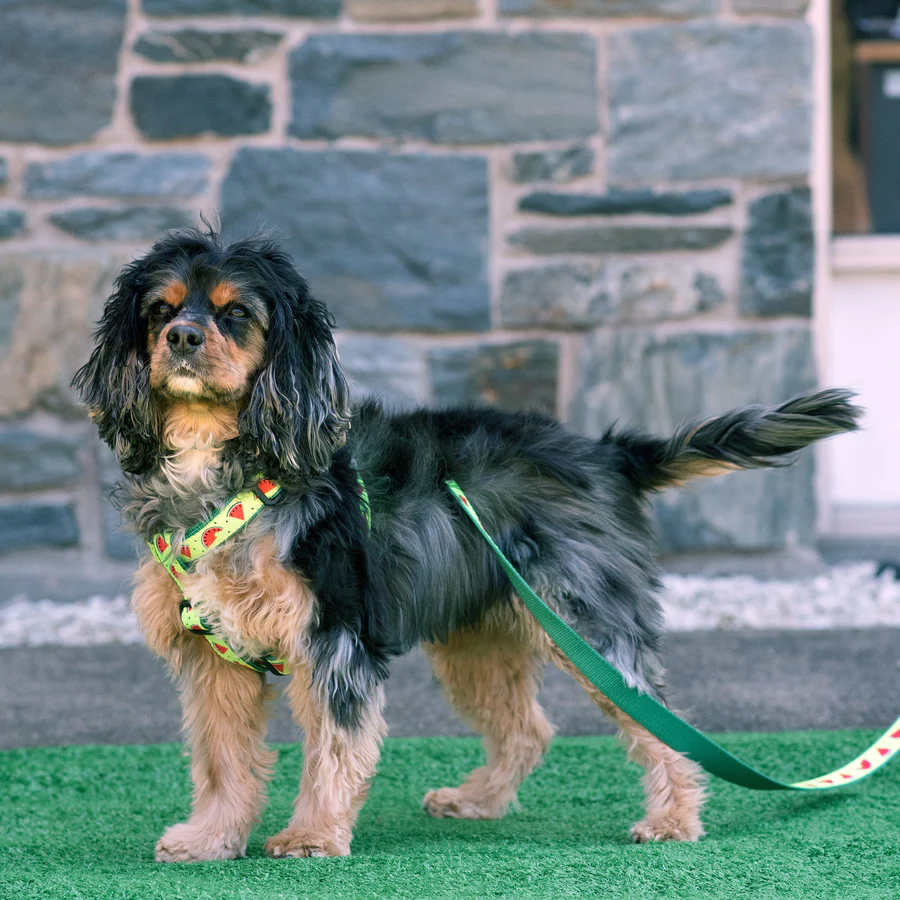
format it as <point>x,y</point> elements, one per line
<point>212,533</point>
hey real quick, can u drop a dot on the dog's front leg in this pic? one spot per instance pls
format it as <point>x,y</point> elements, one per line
<point>337,765</point>
<point>225,725</point>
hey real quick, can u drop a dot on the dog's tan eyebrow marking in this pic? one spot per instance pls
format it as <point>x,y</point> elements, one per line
<point>174,293</point>
<point>224,293</point>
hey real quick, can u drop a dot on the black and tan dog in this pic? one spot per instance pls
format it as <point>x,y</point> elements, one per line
<point>214,364</point>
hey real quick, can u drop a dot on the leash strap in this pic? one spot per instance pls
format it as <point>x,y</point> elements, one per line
<point>655,717</point>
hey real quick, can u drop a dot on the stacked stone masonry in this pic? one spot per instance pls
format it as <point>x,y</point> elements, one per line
<point>596,208</point>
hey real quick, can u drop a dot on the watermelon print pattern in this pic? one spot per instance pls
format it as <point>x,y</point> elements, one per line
<point>201,539</point>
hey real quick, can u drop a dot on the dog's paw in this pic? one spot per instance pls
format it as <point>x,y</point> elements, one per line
<point>667,829</point>
<point>297,843</point>
<point>194,843</point>
<point>456,803</point>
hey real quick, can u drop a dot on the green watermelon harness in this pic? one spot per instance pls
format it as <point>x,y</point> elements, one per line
<point>199,540</point>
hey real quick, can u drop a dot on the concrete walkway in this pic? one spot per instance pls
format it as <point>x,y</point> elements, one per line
<point>722,681</point>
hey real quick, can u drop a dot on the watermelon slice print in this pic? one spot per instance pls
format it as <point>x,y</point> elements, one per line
<point>236,511</point>
<point>221,649</point>
<point>209,536</point>
<point>161,544</point>
<point>186,551</point>
<point>265,485</point>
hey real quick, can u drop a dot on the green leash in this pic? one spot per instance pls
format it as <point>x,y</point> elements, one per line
<point>658,720</point>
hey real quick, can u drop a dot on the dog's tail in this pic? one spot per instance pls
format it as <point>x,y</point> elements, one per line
<point>752,437</point>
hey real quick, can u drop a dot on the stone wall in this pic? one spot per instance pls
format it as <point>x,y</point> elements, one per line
<point>598,208</point>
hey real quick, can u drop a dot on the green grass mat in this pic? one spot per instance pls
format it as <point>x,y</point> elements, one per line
<point>81,822</point>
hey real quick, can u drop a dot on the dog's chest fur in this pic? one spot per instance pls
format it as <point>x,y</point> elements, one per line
<point>241,588</point>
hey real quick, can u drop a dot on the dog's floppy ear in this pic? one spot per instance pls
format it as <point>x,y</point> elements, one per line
<point>115,382</point>
<point>298,412</point>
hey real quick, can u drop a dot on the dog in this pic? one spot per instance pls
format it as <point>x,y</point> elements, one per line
<point>214,364</point>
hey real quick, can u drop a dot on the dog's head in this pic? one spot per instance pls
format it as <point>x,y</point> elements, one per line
<point>226,328</point>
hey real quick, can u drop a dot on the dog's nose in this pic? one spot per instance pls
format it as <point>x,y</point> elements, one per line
<point>184,339</point>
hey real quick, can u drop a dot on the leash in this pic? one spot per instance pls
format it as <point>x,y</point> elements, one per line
<point>659,720</point>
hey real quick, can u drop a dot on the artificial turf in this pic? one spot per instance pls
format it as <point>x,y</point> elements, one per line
<point>81,822</point>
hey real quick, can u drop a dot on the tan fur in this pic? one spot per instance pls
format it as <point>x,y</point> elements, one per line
<point>267,609</point>
<point>683,470</point>
<point>194,434</point>
<point>673,785</point>
<point>224,293</point>
<point>174,293</point>
<point>225,725</point>
<point>337,766</point>
<point>491,677</point>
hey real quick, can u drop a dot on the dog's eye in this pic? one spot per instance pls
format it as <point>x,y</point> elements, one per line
<point>160,310</point>
<point>239,312</point>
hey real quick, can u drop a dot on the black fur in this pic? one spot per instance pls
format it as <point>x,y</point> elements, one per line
<point>570,511</point>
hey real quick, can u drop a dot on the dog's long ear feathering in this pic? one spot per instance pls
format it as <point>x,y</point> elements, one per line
<point>115,381</point>
<point>298,411</point>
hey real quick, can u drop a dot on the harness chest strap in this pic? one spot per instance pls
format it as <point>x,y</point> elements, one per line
<point>202,538</point>
<point>206,536</point>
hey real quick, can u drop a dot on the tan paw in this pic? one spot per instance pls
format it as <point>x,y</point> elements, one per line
<point>455,803</point>
<point>298,844</point>
<point>194,843</point>
<point>665,829</point>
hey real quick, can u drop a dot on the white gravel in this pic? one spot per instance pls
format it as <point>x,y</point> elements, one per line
<point>847,596</point>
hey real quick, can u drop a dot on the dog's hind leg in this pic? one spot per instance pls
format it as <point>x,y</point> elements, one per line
<point>491,678</point>
<point>673,784</point>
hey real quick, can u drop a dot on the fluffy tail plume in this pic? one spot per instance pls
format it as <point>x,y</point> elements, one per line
<point>752,437</point>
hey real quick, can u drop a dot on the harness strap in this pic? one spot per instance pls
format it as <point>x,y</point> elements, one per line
<point>199,540</point>
<point>655,717</point>
<point>234,515</point>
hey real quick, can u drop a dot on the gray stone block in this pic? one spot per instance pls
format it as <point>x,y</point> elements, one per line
<point>777,268</point>
<point>4,172</point>
<point>719,100</point>
<point>570,295</point>
<point>121,223</point>
<point>12,281</point>
<point>409,10</point>
<point>188,105</point>
<point>312,9</point>
<point>57,297</point>
<point>12,222</point>
<point>463,87</point>
<point>195,45</point>
<point>619,202</point>
<point>620,239</point>
<point>583,295</point>
<point>770,7</point>
<point>390,369</point>
<point>99,174</point>
<point>30,459</point>
<point>389,241</point>
<point>29,525</point>
<point>118,542</point>
<point>658,290</point>
<point>607,8</point>
<point>58,68</point>
<point>516,375</point>
<point>654,382</point>
<point>552,165</point>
